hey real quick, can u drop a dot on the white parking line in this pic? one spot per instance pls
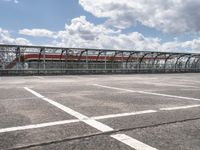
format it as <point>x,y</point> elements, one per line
<point>63,122</point>
<point>175,85</point>
<point>148,93</point>
<point>93,123</point>
<point>35,126</point>
<point>132,142</point>
<point>85,119</point>
<point>39,77</point>
<point>123,114</point>
<point>180,107</point>
<point>191,81</point>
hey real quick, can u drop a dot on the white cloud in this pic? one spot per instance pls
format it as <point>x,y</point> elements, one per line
<point>84,34</point>
<point>5,38</point>
<point>37,32</point>
<point>22,41</point>
<point>81,33</point>
<point>175,16</point>
<point>189,46</point>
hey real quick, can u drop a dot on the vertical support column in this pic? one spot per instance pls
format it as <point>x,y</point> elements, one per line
<point>154,60</point>
<point>61,56</point>
<point>197,67</point>
<point>177,61</point>
<point>39,63</point>
<point>86,59</point>
<point>130,55</point>
<point>18,60</point>
<point>113,60</point>
<point>44,59</point>
<point>66,59</point>
<point>122,60</point>
<point>2,54</point>
<point>87,62</point>
<point>166,59</point>
<point>23,61</point>
<point>141,59</point>
<point>186,63</point>
<point>105,63</point>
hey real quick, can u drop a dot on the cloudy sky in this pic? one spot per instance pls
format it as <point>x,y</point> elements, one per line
<point>164,25</point>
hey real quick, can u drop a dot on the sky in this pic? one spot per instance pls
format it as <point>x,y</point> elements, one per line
<point>158,25</point>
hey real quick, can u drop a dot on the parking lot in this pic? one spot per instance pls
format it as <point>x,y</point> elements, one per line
<point>99,112</point>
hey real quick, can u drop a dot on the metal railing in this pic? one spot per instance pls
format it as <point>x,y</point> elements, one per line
<point>24,60</point>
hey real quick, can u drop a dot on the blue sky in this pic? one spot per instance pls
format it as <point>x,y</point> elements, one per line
<point>50,14</point>
<point>156,25</point>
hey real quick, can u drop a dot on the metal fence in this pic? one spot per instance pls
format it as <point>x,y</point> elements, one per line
<point>24,60</point>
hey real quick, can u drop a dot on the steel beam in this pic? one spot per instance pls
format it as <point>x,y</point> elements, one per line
<point>178,61</point>
<point>141,59</point>
<point>167,58</point>
<point>196,65</point>
<point>18,57</point>
<point>188,60</point>
<point>99,54</point>
<point>130,55</point>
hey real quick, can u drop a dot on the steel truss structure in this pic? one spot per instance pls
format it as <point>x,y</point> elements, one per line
<point>19,59</point>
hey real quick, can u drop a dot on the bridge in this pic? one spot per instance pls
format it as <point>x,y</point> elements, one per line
<point>26,60</point>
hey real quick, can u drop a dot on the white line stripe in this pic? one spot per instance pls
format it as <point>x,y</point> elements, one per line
<point>148,93</point>
<point>39,77</point>
<point>132,142</point>
<point>35,126</point>
<point>93,123</point>
<point>49,124</point>
<point>191,81</point>
<point>123,114</point>
<point>177,85</point>
<point>166,84</point>
<point>85,119</point>
<point>180,107</point>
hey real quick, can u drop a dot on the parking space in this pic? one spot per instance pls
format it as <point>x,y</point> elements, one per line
<point>184,135</point>
<point>29,111</point>
<point>146,111</point>
<point>101,101</point>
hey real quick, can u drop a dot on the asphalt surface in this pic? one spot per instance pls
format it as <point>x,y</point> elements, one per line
<point>161,111</point>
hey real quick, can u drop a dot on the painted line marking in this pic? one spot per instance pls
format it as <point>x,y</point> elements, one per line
<point>98,125</point>
<point>194,81</point>
<point>123,114</point>
<point>180,107</point>
<point>63,122</point>
<point>168,84</point>
<point>176,85</point>
<point>91,122</point>
<point>148,93</point>
<point>35,126</point>
<point>39,77</point>
<point>132,142</point>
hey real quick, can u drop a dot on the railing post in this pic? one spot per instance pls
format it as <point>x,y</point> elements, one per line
<point>44,59</point>
<point>105,62</point>
<point>87,65</point>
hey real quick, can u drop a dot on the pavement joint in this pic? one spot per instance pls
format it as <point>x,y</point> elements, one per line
<point>110,133</point>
